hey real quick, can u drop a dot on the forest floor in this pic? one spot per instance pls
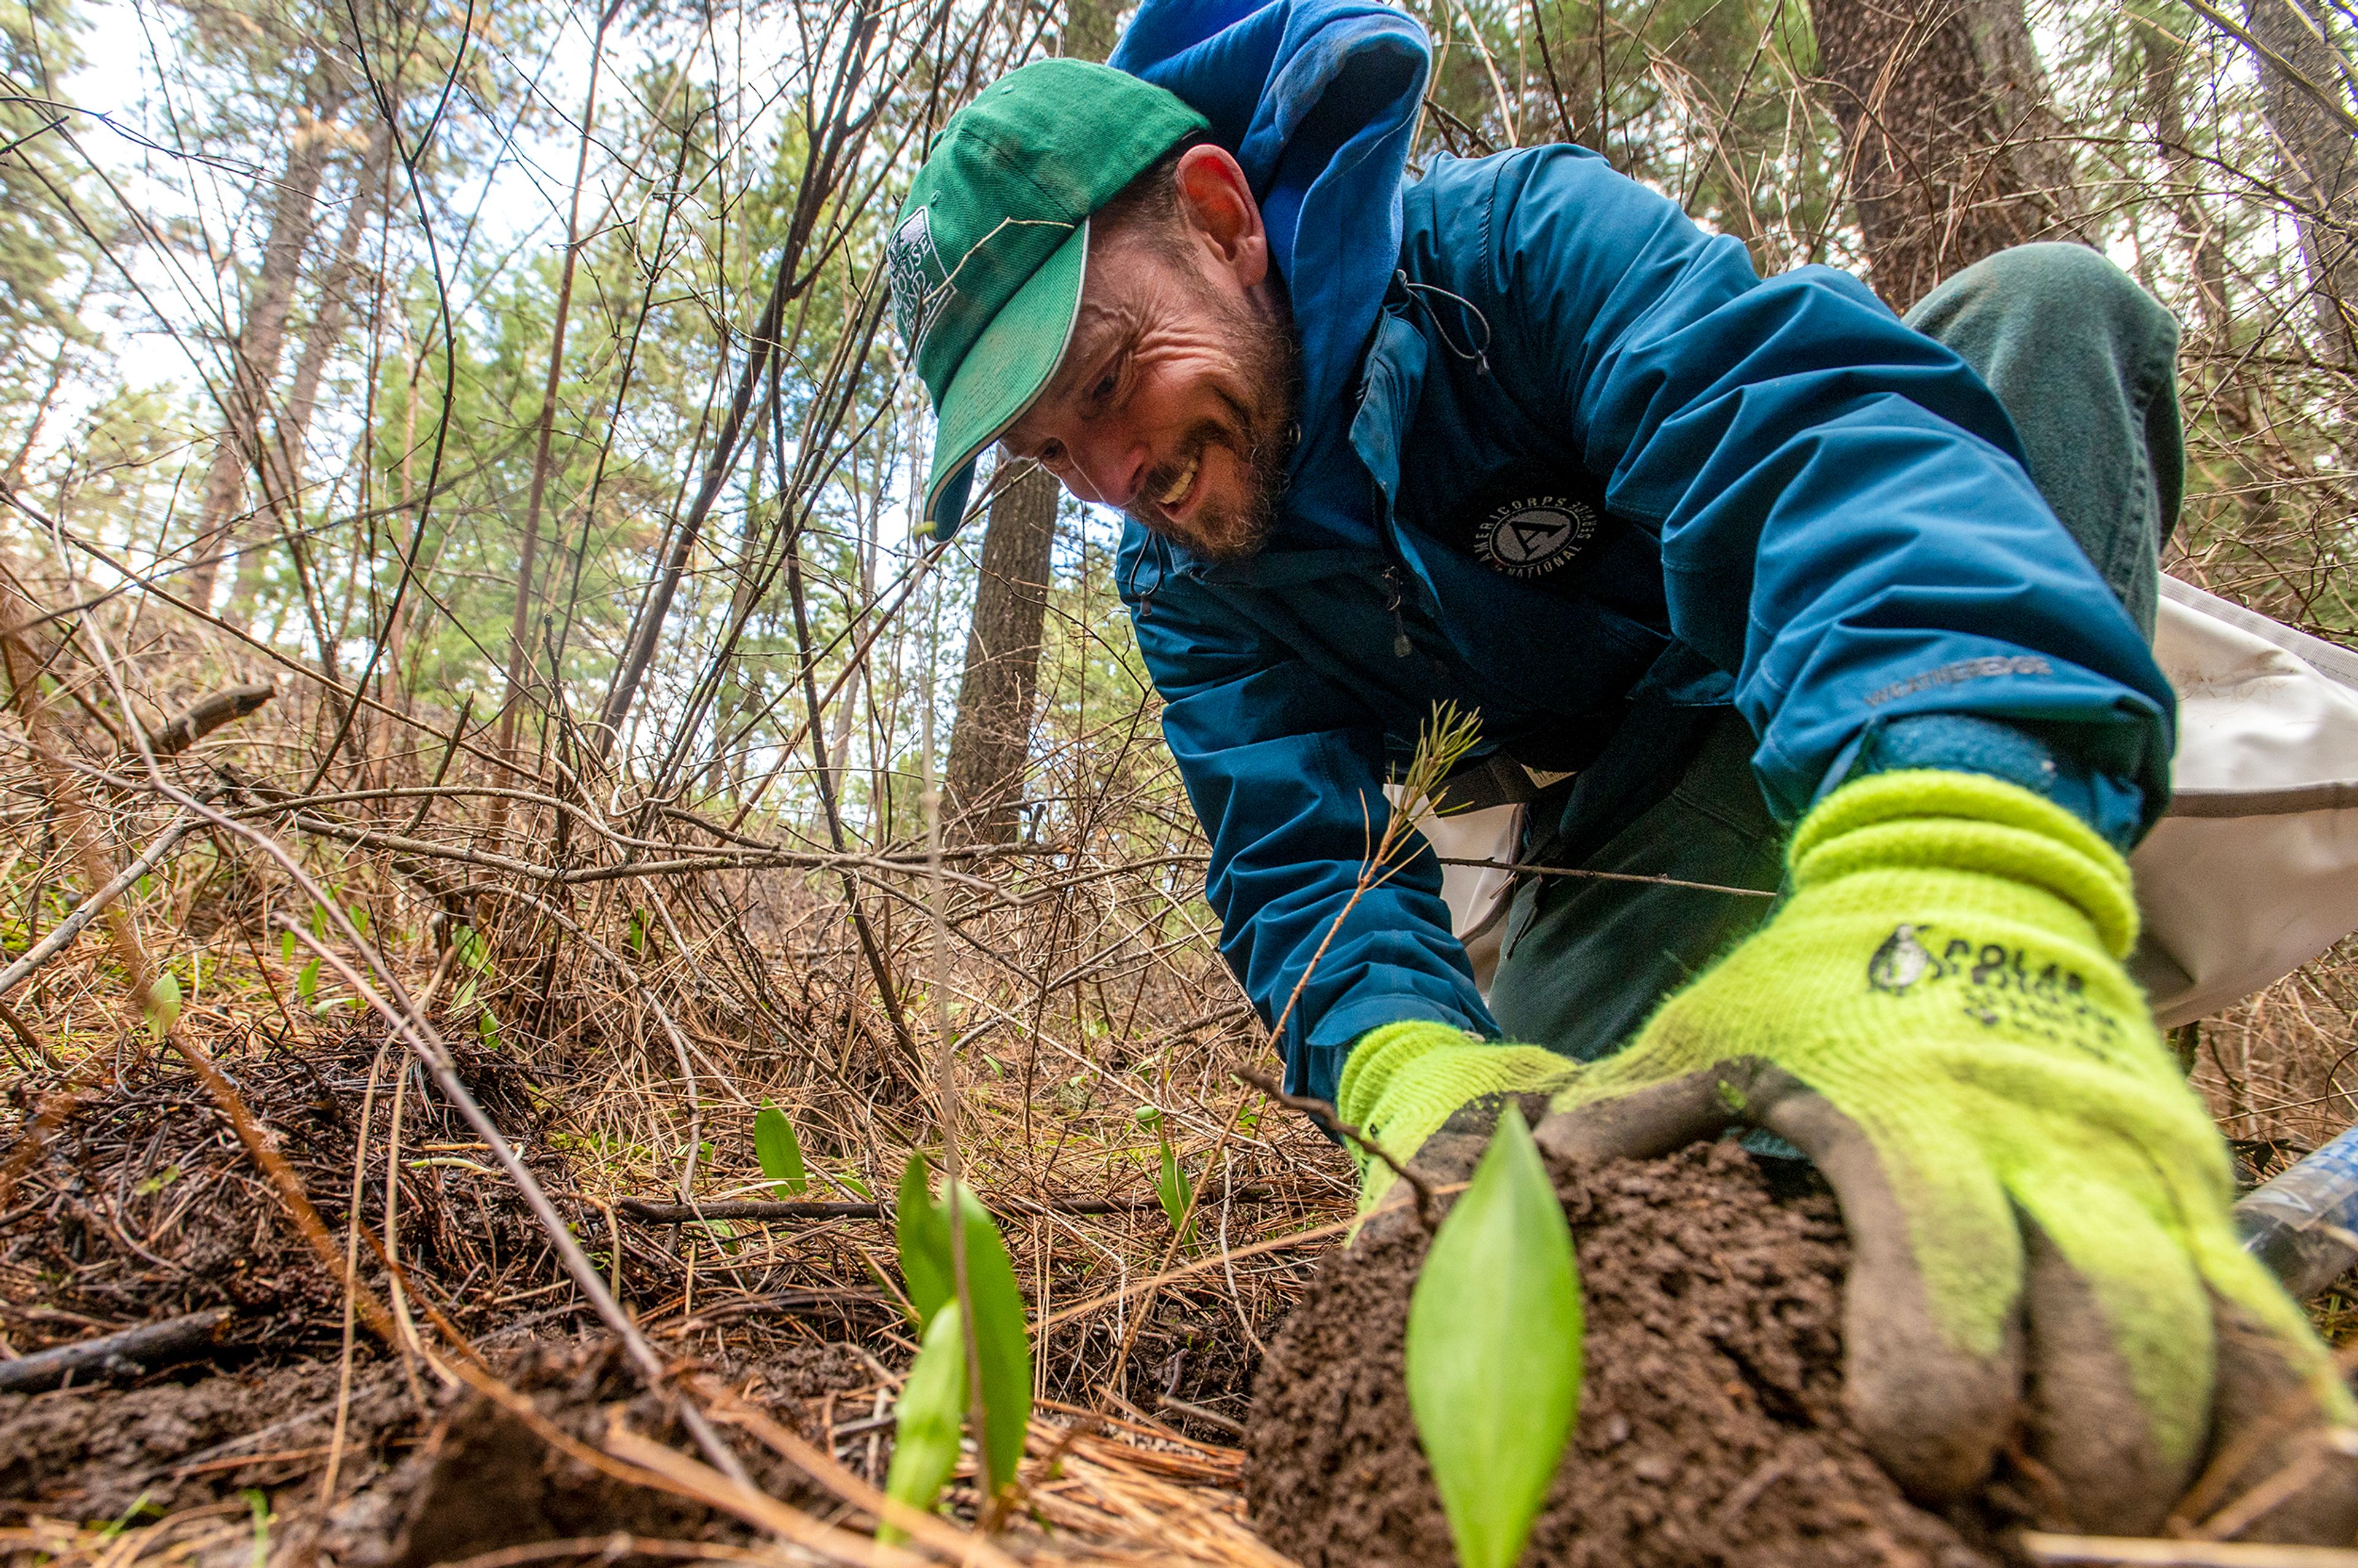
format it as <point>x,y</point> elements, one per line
<point>1186,1412</point>
<point>485,1429</point>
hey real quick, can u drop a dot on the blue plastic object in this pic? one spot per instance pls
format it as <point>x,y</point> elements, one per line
<point>2304,1223</point>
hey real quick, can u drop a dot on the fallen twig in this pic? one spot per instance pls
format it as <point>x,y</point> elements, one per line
<point>204,716</point>
<point>65,930</point>
<point>2137,1553</point>
<point>133,1352</point>
<point>1319,1112</point>
<point>648,1213</point>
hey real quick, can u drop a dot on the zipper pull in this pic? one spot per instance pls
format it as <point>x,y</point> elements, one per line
<point>1401,648</point>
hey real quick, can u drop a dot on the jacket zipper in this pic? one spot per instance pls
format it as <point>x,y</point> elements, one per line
<point>1402,647</point>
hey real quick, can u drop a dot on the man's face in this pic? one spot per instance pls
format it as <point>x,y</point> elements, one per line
<point>1177,395</point>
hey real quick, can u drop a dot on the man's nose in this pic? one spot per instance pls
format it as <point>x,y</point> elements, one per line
<point>1110,465</point>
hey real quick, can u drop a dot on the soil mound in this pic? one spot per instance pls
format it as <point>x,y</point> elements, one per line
<point>1711,1428</point>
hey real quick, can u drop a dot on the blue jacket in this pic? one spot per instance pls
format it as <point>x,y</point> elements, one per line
<point>1566,460</point>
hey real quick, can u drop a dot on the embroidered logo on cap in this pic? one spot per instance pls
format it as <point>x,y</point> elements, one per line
<point>921,283</point>
<point>1531,538</point>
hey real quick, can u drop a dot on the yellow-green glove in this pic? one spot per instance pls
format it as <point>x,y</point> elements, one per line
<point>2037,1202</point>
<point>1406,1083</point>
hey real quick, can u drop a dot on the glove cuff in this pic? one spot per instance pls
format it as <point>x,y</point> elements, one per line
<point>1936,820</point>
<point>1379,1056</point>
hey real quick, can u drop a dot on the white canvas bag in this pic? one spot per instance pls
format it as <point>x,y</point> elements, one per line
<point>2253,872</point>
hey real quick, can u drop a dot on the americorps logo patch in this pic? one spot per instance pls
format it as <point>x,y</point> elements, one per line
<point>921,283</point>
<point>1533,537</point>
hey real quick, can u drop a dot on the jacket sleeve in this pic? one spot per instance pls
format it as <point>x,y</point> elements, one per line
<point>1285,769</point>
<point>1845,524</point>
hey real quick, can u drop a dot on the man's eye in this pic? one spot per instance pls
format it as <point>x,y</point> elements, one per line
<point>1107,384</point>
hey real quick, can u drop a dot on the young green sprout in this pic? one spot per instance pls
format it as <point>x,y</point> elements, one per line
<point>1493,1351</point>
<point>1171,1185</point>
<point>994,1325</point>
<point>780,1152</point>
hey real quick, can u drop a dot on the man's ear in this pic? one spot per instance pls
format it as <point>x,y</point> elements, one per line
<point>1220,207</point>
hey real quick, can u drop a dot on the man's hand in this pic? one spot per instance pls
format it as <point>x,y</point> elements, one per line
<point>1431,1093</point>
<point>2037,1202</point>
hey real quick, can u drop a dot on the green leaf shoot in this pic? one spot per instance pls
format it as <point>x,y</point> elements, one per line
<point>257,1502</point>
<point>306,983</point>
<point>780,1152</point>
<point>163,1004</point>
<point>1493,1349</point>
<point>1002,1342</point>
<point>1171,1189</point>
<point>926,1422</point>
<point>923,1232</point>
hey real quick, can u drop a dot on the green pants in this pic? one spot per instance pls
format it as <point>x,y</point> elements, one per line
<point>2084,362</point>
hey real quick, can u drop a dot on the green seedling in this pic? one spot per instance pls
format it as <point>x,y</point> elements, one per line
<point>163,1004</point>
<point>258,1502</point>
<point>780,1152</point>
<point>306,983</point>
<point>1493,1351</point>
<point>1171,1186</point>
<point>926,1422</point>
<point>489,1028</point>
<point>286,947</point>
<point>142,1507</point>
<point>1002,1346</point>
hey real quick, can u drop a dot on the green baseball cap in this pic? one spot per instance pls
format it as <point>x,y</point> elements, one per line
<point>986,257</point>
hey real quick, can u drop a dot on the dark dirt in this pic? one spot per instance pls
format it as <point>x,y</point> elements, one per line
<point>92,1453</point>
<point>418,1487</point>
<point>482,1479</point>
<point>1710,1431</point>
<point>145,1206</point>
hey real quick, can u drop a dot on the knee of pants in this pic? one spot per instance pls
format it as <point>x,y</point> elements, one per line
<point>2052,291</point>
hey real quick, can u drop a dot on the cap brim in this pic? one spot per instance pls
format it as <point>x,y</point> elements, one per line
<point>1001,375</point>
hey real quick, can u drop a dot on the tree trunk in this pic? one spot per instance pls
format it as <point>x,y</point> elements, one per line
<point>282,455</point>
<point>254,358</point>
<point>1955,150</point>
<point>992,739</point>
<point>2198,230</point>
<point>2300,92</point>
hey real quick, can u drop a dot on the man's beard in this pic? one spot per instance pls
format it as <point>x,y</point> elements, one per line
<point>1269,370</point>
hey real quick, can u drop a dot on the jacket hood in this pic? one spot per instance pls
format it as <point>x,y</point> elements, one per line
<point>1317,101</point>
